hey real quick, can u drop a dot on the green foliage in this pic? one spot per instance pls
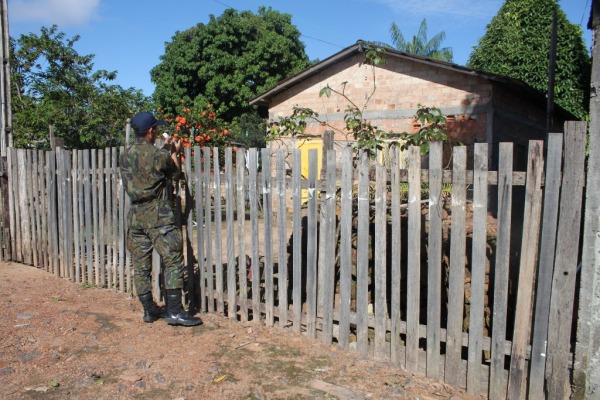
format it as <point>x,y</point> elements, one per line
<point>432,127</point>
<point>517,43</point>
<point>420,44</point>
<point>52,84</point>
<point>248,131</point>
<point>228,61</point>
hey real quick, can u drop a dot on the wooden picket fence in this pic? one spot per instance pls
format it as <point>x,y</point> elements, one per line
<point>433,284</point>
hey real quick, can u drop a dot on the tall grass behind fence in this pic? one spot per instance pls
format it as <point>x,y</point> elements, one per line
<point>399,264</point>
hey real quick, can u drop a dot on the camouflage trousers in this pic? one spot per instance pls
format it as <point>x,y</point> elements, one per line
<point>168,243</point>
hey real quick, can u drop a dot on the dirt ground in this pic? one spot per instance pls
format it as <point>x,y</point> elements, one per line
<point>60,339</point>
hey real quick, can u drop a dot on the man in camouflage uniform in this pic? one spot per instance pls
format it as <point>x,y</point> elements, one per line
<point>147,173</point>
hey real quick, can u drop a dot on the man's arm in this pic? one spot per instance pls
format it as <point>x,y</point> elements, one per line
<point>174,147</point>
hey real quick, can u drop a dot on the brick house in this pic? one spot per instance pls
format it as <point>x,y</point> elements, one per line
<point>479,106</point>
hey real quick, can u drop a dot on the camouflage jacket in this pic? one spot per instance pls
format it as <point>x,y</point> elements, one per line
<point>147,174</point>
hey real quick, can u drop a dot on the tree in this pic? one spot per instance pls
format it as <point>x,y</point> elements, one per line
<point>228,61</point>
<point>55,85</point>
<point>517,43</point>
<point>419,44</point>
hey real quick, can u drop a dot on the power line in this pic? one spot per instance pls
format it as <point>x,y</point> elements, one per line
<point>584,12</point>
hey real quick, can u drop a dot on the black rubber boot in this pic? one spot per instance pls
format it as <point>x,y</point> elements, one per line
<point>152,311</point>
<point>175,314</point>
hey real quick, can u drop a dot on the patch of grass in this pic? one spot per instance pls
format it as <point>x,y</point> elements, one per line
<point>87,285</point>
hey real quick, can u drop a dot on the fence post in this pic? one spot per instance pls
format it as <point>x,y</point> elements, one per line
<point>5,222</point>
<point>586,371</point>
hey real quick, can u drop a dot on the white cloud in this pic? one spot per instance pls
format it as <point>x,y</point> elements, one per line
<point>59,12</point>
<point>435,8</point>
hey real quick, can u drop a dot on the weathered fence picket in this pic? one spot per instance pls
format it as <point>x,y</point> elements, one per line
<point>362,255</point>
<point>230,243</point>
<point>456,280</point>
<point>282,218</point>
<point>413,278</point>
<point>368,261</point>
<point>565,266</point>
<point>396,254</point>
<point>478,269</point>
<point>434,272</point>
<point>297,242</point>
<point>268,237</point>
<point>498,379</point>
<point>311,247</point>
<point>517,387</point>
<point>345,249</point>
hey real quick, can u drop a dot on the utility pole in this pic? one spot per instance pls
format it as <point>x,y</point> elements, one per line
<point>5,131</point>
<point>586,369</point>
<point>5,101</point>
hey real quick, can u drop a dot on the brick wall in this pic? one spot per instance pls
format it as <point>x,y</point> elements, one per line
<point>396,89</point>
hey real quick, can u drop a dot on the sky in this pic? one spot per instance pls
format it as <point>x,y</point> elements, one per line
<point>129,36</point>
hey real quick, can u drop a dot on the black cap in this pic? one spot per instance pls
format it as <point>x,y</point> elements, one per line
<point>144,120</point>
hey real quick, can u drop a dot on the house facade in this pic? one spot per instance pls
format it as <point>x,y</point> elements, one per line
<point>479,107</point>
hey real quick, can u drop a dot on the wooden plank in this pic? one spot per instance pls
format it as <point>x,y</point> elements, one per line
<point>537,363</point>
<point>498,384</point>
<point>188,250</point>
<point>414,259</point>
<point>362,255</point>
<point>81,206</point>
<point>52,205</point>
<point>478,269</point>
<point>241,218</point>
<point>311,247</point>
<point>27,255</point>
<point>32,209</point>
<point>94,193</point>
<point>529,246</point>
<point>87,190</point>
<point>10,156</point>
<point>123,197</point>
<point>43,207</point>
<point>210,275</point>
<point>267,199</point>
<point>456,289</point>
<point>29,209</point>
<point>38,204</point>
<point>32,169</point>
<point>5,215</point>
<point>69,213</point>
<point>297,241</point>
<point>115,213</point>
<point>255,262</point>
<point>434,264</point>
<point>229,207</point>
<point>218,232</point>
<point>60,210</point>
<point>338,391</point>
<point>345,248</point>
<point>396,344</point>
<point>107,215</point>
<point>381,347</point>
<point>328,263</point>
<point>201,296</point>
<point>101,214</point>
<point>565,265</point>
<point>63,233</point>
<point>76,232</point>
<point>282,260</point>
